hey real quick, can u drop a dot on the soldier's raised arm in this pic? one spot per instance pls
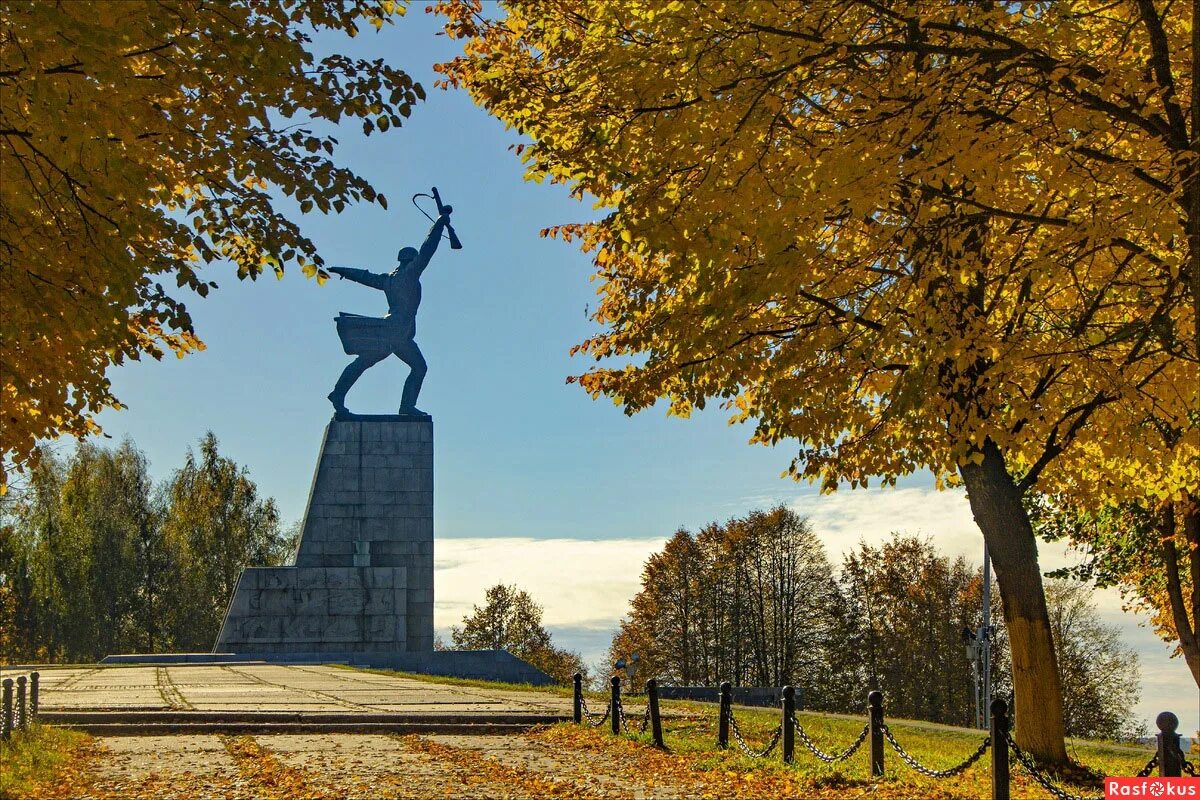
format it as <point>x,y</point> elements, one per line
<point>431,242</point>
<point>365,277</point>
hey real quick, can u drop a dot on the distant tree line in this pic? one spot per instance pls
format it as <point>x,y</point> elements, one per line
<point>755,601</point>
<point>511,620</point>
<point>96,559</point>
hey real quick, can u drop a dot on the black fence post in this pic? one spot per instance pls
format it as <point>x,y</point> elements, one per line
<point>1170,754</point>
<point>875,721</point>
<point>34,679</point>
<point>789,730</point>
<point>999,734</point>
<point>22,710</point>
<point>655,719</point>
<point>577,700</point>
<point>614,705</point>
<point>726,709</point>
<point>6,721</point>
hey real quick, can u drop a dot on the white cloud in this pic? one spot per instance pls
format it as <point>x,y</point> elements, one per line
<point>580,583</point>
<point>843,518</point>
<point>585,585</point>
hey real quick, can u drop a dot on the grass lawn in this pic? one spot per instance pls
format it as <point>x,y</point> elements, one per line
<point>34,757</point>
<point>561,691</point>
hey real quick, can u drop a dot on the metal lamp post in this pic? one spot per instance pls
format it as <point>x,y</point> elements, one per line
<point>630,668</point>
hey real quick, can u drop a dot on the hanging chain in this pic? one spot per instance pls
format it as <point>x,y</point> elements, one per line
<point>1031,768</point>
<point>593,719</point>
<point>642,725</point>
<point>937,773</point>
<point>1188,767</point>
<point>1145,771</point>
<point>745,747</point>
<point>821,754</point>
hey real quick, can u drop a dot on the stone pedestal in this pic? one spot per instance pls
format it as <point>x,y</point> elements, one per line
<point>363,579</point>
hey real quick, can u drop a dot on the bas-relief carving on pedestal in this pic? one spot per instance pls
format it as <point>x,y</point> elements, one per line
<point>363,578</point>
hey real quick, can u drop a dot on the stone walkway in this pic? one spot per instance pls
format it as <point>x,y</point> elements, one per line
<point>324,766</point>
<point>273,687</point>
<point>359,767</point>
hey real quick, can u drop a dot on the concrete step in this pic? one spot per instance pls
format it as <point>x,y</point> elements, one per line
<point>81,715</point>
<point>268,728</point>
<point>140,723</point>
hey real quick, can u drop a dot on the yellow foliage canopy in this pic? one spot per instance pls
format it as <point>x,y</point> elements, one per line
<point>956,237</point>
<point>140,141</point>
<point>890,231</point>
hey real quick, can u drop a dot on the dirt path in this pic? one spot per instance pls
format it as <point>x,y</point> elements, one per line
<point>355,767</point>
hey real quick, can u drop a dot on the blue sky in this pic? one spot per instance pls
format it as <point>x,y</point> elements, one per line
<point>496,324</point>
<point>536,483</point>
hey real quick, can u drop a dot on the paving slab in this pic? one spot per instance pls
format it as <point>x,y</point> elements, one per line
<point>163,767</point>
<point>367,764</point>
<point>273,687</point>
<point>357,767</point>
<point>385,767</point>
<point>372,768</point>
<point>588,773</point>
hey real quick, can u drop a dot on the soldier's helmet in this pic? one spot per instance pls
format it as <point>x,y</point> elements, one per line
<point>406,254</point>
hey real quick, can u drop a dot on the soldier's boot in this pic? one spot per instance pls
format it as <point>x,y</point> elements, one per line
<point>349,375</point>
<point>412,388</point>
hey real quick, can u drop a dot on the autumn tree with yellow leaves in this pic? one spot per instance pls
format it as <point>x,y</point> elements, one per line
<point>142,141</point>
<point>954,237</point>
<point>1150,555</point>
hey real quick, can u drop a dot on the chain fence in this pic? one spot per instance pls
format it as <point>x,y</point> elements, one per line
<point>19,708</point>
<point>642,726</point>
<point>645,719</point>
<point>828,758</point>
<point>1031,769</point>
<point>744,746</point>
<point>594,720</point>
<point>999,741</point>
<point>930,772</point>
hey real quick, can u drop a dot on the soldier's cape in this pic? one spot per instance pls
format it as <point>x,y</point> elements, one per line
<point>360,334</point>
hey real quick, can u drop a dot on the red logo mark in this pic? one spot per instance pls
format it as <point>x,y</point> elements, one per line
<point>1151,788</point>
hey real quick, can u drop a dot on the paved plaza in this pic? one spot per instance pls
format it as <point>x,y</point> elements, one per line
<point>274,687</point>
<point>324,766</point>
<point>362,767</point>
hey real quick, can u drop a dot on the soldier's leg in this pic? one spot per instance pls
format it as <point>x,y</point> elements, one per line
<point>410,354</point>
<point>349,375</point>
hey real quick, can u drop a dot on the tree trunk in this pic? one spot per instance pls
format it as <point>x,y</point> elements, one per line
<point>1185,628</point>
<point>1000,515</point>
<point>1192,186</point>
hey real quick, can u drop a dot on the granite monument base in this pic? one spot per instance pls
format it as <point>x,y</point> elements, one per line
<point>318,610</point>
<point>363,575</point>
<point>361,590</point>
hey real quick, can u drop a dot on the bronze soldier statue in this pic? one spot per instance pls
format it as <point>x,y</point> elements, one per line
<point>373,339</point>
